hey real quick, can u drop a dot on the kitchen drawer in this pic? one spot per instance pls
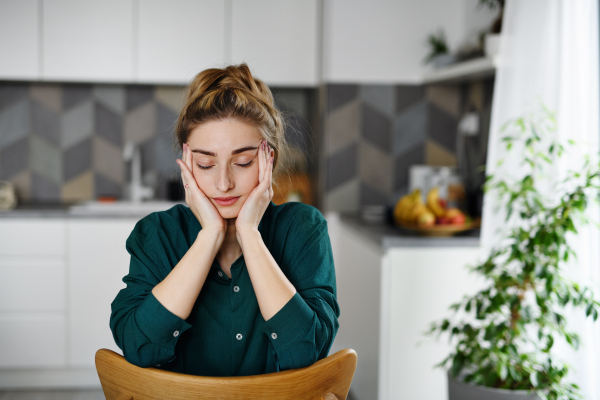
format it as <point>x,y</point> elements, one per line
<point>32,341</point>
<point>32,237</point>
<point>28,285</point>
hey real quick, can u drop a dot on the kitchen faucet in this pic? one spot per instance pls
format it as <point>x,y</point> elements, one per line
<point>136,191</point>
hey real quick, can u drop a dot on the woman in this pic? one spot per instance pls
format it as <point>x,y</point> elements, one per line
<point>233,284</point>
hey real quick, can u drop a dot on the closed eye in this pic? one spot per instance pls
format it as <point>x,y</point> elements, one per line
<point>240,165</point>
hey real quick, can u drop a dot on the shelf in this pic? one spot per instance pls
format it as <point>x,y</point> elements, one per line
<point>462,72</point>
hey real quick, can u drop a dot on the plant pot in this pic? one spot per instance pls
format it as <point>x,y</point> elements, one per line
<point>460,390</point>
<point>441,60</point>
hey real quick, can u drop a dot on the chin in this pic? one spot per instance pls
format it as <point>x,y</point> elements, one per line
<point>229,212</point>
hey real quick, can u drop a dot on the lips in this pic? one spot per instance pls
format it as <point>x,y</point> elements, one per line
<point>226,201</point>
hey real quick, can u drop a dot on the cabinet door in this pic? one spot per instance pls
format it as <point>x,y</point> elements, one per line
<point>277,39</point>
<point>98,262</point>
<point>19,39</point>
<point>178,39</point>
<point>88,40</point>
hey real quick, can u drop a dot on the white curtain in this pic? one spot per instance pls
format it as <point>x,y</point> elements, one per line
<point>549,53</point>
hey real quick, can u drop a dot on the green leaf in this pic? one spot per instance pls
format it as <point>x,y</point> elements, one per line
<point>534,379</point>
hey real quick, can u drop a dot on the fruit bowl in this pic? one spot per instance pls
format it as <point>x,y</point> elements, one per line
<point>442,230</point>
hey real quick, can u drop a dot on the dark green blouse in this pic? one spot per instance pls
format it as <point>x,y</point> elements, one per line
<point>225,334</point>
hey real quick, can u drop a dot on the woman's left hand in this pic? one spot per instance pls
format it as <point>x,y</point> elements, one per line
<point>257,202</point>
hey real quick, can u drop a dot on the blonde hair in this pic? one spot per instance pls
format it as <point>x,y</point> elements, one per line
<point>232,92</point>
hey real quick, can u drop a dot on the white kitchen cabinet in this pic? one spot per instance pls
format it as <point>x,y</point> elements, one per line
<point>32,293</point>
<point>388,296</point>
<point>279,39</point>
<point>88,40</point>
<point>19,39</point>
<point>178,39</point>
<point>98,262</point>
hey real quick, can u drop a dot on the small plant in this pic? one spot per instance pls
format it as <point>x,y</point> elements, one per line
<point>515,320</point>
<point>437,44</point>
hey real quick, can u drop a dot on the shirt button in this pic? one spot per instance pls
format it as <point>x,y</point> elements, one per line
<point>274,335</point>
<point>176,333</point>
<point>236,288</point>
<point>238,336</point>
<point>220,274</point>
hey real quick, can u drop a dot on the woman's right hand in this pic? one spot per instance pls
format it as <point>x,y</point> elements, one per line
<point>207,214</point>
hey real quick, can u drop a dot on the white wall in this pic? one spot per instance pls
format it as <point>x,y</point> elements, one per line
<point>385,41</point>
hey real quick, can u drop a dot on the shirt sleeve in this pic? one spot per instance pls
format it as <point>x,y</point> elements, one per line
<point>142,327</point>
<point>303,331</point>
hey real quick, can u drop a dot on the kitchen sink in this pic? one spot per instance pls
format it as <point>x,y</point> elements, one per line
<point>121,207</point>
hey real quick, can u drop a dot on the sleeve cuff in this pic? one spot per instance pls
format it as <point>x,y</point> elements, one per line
<point>293,321</point>
<point>160,325</point>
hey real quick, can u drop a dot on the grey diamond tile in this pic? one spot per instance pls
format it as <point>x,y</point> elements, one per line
<point>340,94</point>
<point>48,94</point>
<point>107,159</point>
<point>165,156</point>
<point>14,158</point>
<point>375,167</point>
<point>111,97</point>
<point>46,122</point>
<point>342,126</point>
<point>103,186</point>
<point>77,124</point>
<point>376,128</point>
<point>488,92</point>
<point>170,96</point>
<point>402,163</point>
<point>148,155</point>
<point>45,159</point>
<point>342,166</point>
<point>75,94</point>
<point>371,196</point>
<point>165,120</point>
<point>137,95</point>
<point>442,128</point>
<point>140,124</point>
<point>44,188</point>
<point>108,124</point>
<point>77,159</point>
<point>295,100</point>
<point>407,95</point>
<point>12,92</point>
<point>297,133</point>
<point>345,197</point>
<point>15,122</point>
<point>380,97</point>
<point>410,127</point>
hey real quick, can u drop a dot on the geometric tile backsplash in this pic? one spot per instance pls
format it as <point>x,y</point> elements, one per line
<point>374,133</point>
<point>63,142</point>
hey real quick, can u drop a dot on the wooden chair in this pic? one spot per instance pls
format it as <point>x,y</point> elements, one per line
<point>327,379</point>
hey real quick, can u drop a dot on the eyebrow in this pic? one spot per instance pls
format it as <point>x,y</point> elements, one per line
<point>210,153</point>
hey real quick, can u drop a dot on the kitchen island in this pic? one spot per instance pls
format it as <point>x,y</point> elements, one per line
<point>391,285</point>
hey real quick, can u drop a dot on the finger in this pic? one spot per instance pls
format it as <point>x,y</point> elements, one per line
<point>189,159</point>
<point>261,156</point>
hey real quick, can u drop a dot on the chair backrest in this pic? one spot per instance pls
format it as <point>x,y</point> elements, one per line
<point>327,379</point>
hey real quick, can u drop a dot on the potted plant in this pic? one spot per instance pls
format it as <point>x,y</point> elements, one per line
<point>492,38</point>
<point>438,50</point>
<point>503,343</point>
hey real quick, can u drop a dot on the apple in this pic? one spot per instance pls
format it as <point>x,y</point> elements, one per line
<point>452,212</point>
<point>443,220</point>
<point>459,219</point>
<point>426,219</point>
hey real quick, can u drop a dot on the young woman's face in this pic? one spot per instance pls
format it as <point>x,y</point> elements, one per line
<point>225,162</point>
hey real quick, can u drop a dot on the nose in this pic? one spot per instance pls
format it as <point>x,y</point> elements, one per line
<point>224,179</point>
